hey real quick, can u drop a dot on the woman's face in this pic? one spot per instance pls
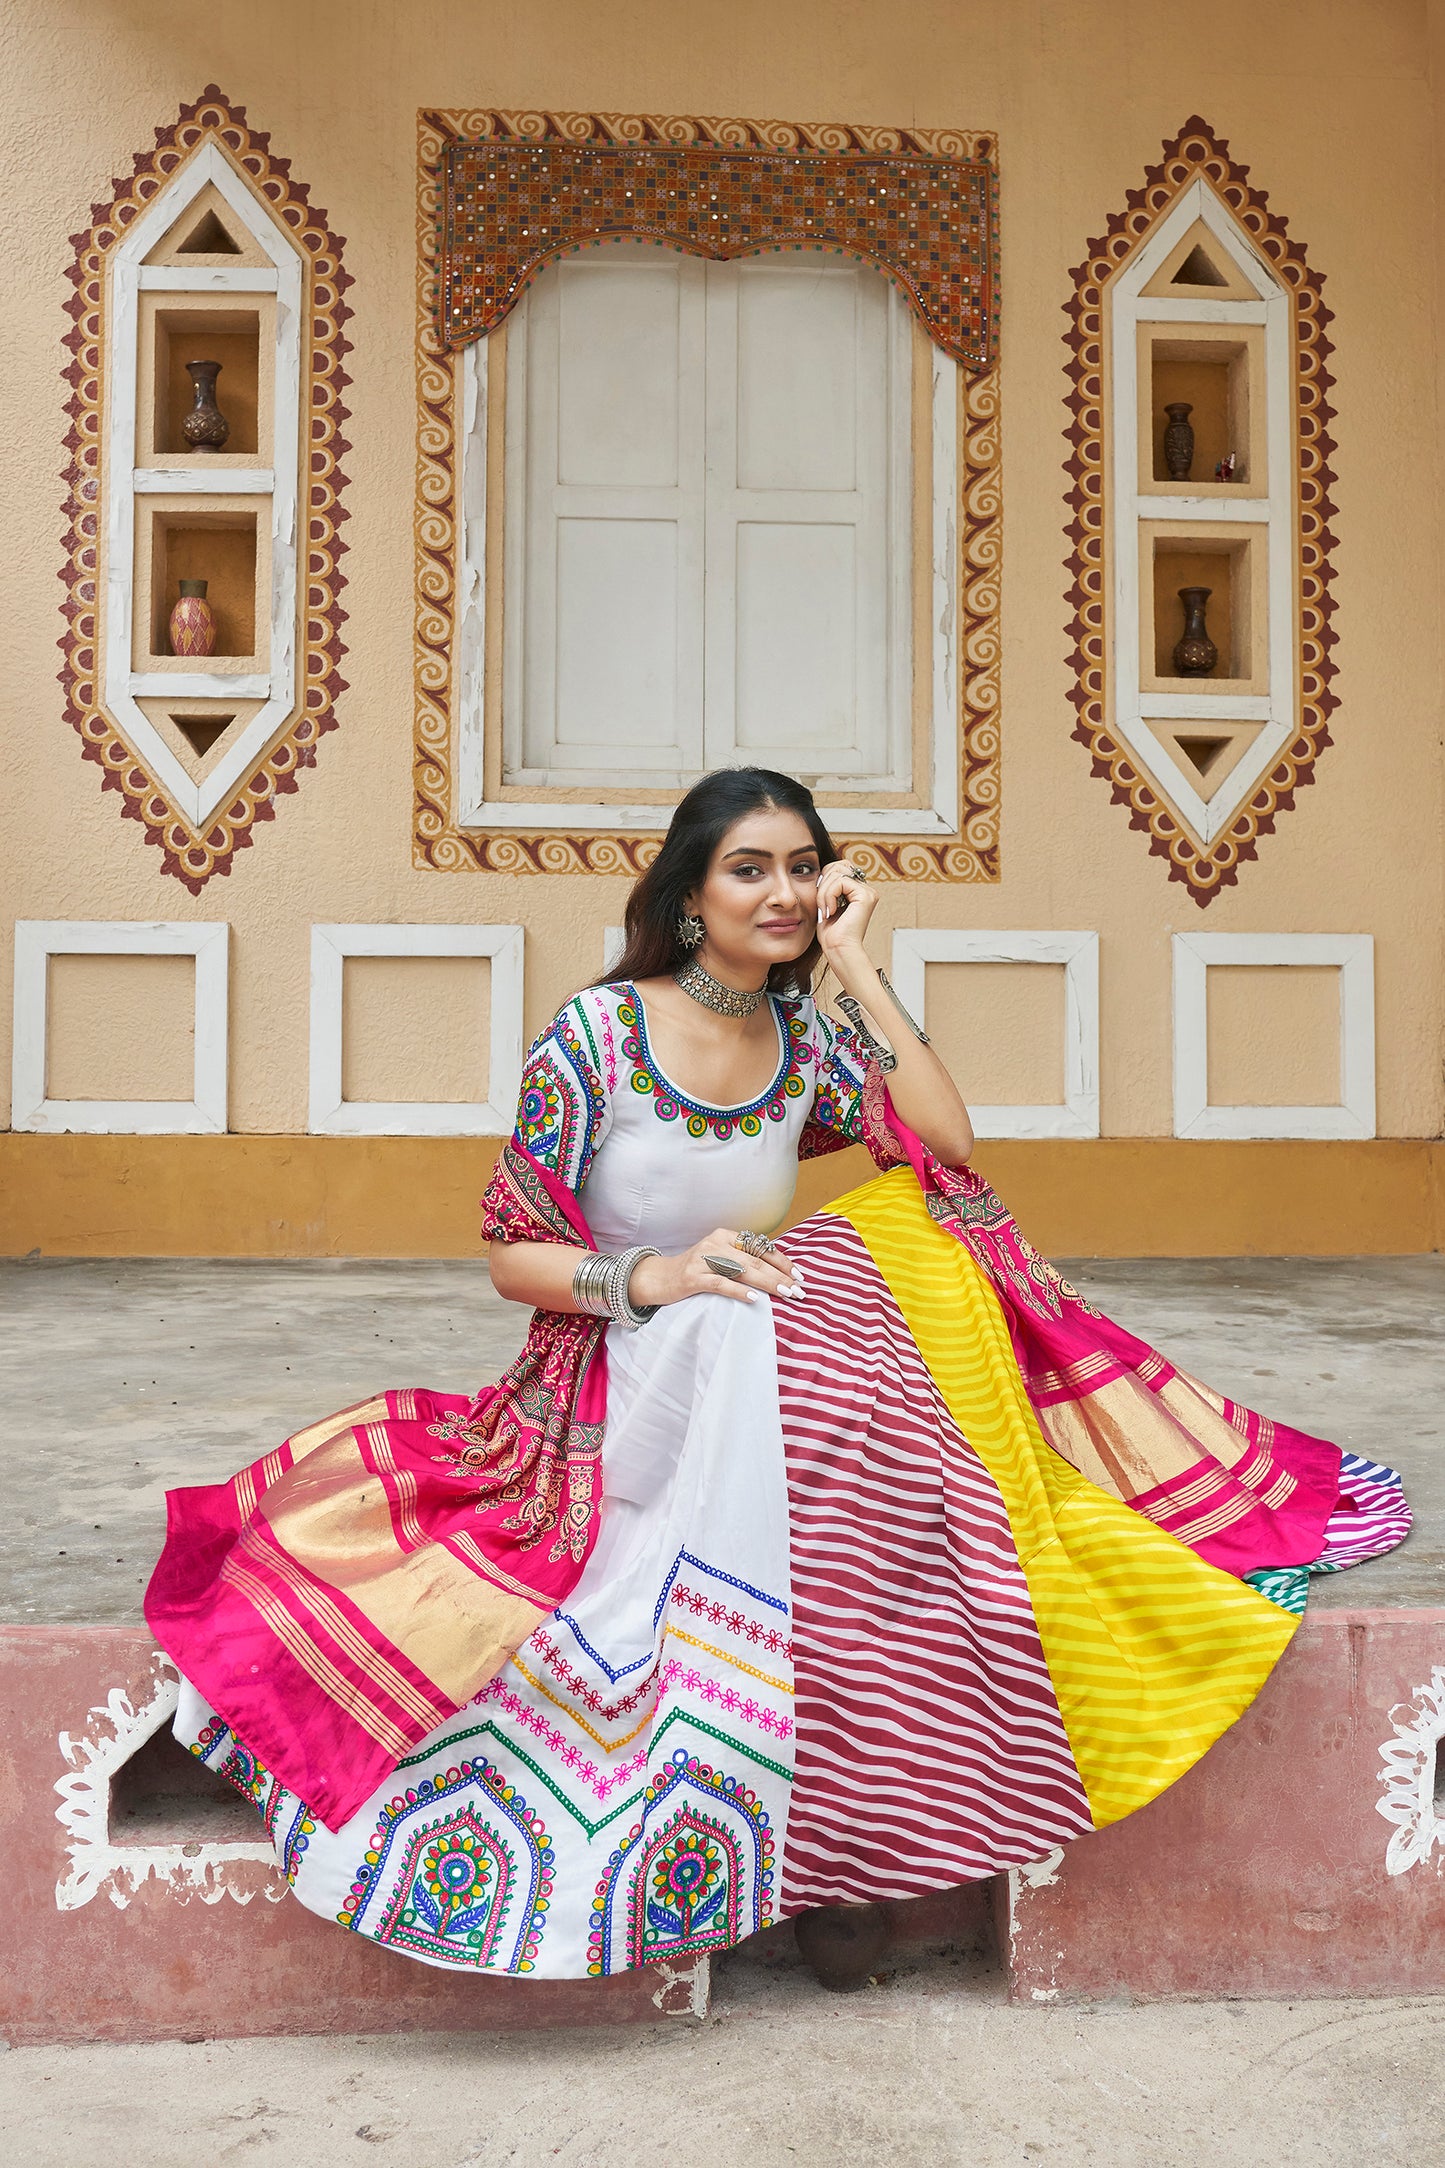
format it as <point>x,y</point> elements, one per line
<point>759,901</point>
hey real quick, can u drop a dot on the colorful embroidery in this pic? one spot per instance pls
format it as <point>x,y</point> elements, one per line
<point>455,1880</point>
<point>836,1116</point>
<point>562,1107</point>
<point>668,1103</point>
<point>700,1879</point>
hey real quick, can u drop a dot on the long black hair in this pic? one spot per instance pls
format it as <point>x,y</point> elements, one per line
<point>652,948</point>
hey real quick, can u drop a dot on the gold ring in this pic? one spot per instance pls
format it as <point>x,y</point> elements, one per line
<point>724,1268</point>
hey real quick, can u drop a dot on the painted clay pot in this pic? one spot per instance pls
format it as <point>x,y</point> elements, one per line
<point>1195,654</point>
<point>1178,440</point>
<point>205,428</point>
<point>193,624</point>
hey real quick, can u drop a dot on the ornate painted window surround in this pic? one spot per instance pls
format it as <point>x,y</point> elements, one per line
<point>449,384</point>
<point>1202,851</point>
<point>199,824</point>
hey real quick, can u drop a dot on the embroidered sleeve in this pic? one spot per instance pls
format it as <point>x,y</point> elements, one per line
<point>564,1108</point>
<point>836,1116</point>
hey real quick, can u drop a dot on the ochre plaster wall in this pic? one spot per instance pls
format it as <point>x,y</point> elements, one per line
<point>1081,96</point>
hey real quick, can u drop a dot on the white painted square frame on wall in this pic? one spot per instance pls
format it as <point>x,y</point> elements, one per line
<point>1078,1113</point>
<point>1353,955</point>
<point>36,941</point>
<point>333,1115</point>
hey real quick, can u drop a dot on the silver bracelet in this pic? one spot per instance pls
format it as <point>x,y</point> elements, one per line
<point>879,1049</point>
<point>917,1029</point>
<point>600,1284</point>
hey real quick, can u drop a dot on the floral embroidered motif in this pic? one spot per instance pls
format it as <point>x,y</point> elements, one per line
<point>694,1880</point>
<point>455,1879</point>
<point>669,1104</point>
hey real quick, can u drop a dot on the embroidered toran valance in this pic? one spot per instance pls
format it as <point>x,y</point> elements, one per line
<point>525,188</point>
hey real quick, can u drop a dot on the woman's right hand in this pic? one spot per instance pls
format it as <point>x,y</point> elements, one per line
<point>662,1280</point>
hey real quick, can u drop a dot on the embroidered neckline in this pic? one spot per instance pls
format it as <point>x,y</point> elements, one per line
<point>670,1102</point>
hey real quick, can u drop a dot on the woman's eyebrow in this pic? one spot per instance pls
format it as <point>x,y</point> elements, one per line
<point>746,851</point>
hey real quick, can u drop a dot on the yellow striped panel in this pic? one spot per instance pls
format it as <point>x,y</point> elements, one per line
<point>1152,1652</point>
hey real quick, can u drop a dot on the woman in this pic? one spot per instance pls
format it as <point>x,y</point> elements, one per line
<point>774,1578</point>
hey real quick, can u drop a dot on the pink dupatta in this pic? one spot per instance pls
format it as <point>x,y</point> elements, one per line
<point>350,1591</point>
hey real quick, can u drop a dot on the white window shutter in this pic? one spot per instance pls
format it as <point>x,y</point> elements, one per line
<point>709,523</point>
<point>604,603</point>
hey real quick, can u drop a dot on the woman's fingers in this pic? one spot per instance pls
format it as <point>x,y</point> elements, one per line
<point>726,1269</point>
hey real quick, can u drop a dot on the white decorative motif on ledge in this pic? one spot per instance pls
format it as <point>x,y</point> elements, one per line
<point>1412,1778</point>
<point>100,1867</point>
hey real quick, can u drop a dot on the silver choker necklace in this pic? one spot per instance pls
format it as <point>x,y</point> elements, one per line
<point>695,979</point>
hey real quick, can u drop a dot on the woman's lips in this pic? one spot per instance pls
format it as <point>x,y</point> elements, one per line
<point>779,925</point>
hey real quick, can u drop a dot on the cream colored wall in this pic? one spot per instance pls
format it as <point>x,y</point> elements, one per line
<point>1082,95</point>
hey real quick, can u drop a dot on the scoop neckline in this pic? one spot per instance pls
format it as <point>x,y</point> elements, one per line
<point>704,1106</point>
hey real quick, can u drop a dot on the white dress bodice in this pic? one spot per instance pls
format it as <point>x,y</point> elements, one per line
<point>668,1169</point>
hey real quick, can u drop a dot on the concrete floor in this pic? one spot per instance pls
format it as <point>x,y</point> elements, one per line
<point>119,1380</point>
<point>929,2069</point>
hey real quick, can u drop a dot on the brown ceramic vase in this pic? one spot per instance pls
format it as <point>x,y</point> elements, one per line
<point>205,428</point>
<point>192,622</point>
<point>1178,440</point>
<point>1195,654</point>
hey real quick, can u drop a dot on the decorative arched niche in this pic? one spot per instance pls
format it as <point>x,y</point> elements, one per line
<point>504,198</point>
<point>1196,299</point>
<point>210,250</point>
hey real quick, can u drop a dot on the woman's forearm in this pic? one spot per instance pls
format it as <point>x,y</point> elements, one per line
<point>920,1087</point>
<point>539,1274</point>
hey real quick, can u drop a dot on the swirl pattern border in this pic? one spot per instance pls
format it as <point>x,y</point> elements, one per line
<point>1197,152</point>
<point>438,843</point>
<point>190,854</point>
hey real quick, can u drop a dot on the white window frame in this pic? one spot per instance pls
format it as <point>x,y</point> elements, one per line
<point>940,817</point>
<point>36,941</point>
<point>914,948</point>
<point>333,1116</point>
<point>1274,512</point>
<point>275,686</point>
<point>1353,955</point>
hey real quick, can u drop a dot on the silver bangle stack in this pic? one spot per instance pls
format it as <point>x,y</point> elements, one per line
<point>599,1286</point>
<point>879,1049</point>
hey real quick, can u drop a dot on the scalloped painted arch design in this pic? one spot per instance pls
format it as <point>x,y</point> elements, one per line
<point>1197,153</point>
<point>193,854</point>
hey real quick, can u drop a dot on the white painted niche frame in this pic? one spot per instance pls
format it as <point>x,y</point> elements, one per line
<point>1265,503</point>
<point>36,941</point>
<point>275,487</point>
<point>1078,1114</point>
<point>1353,955</point>
<point>333,1115</point>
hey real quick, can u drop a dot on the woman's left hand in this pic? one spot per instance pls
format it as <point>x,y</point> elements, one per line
<point>845,905</point>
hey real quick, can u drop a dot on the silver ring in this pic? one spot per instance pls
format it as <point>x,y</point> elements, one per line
<point>755,1245</point>
<point>856,872</point>
<point>724,1267</point>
